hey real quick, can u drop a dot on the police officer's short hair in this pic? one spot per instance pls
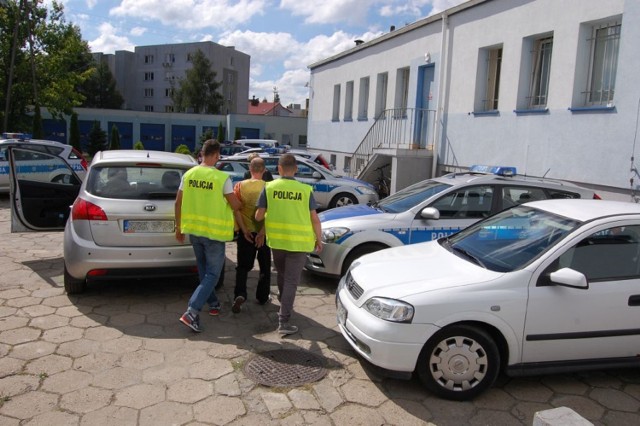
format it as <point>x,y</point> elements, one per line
<point>287,161</point>
<point>210,147</point>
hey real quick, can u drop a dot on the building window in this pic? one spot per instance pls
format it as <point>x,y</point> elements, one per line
<point>489,65</point>
<point>148,59</point>
<point>148,108</point>
<point>231,61</point>
<point>189,56</point>
<point>336,103</point>
<point>302,140</point>
<point>541,68</point>
<point>168,108</point>
<point>605,43</point>
<point>348,102</point>
<point>169,58</point>
<point>169,76</point>
<point>148,93</point>
<point>168,92</point>
<point>363,99</point>
<point>148,76</point>
<point>402,92</point>
<point>381,93</point>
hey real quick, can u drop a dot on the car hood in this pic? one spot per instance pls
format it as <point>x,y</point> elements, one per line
<point>356,182</point>
<point>346,212</point>
<point>403,271</point>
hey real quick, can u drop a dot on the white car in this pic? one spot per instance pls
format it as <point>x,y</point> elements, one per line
<point>544,287</point>
<point>38,164</point>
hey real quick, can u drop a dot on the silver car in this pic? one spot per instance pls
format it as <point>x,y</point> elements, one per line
<point>329,189</point>
<point>121,224</point>
<point>426,211</point>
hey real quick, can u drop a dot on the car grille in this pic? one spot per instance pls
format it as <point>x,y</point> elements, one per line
<point>353,287</point>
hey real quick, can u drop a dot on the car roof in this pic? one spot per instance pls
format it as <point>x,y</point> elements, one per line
<point>133,155</point>
<point>470,177</point>
<point>32,141</point>
<point>243,157</point>
<point>586,210</point>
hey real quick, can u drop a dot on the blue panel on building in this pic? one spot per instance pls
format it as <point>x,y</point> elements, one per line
<point>54,130</point>
<point>248,133</point>
<point>152,136</point>
<point>126,133</point>
<point>183,135</point>
<point>85,128</point>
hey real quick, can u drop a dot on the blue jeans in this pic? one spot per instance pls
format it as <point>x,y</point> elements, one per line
<point>210,260</point>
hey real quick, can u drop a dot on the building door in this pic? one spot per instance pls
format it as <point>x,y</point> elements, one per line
<point>424,103</point>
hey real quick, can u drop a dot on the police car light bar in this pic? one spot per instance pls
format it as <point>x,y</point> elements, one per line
<point>12,135</point>
<point>494,170</point>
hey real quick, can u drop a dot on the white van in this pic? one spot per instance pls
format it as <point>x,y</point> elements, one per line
<point>258,143</point>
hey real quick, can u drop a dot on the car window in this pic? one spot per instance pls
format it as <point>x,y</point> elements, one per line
<point>611,254</point>
<point>225,166</point>
<point>556,194</point>
<point>34,164</point>
<point>466,203</point>
<point>3,154</point>
<point>411,196</point>
<point>304,170</point>
<point>134,182</point>
<point>514,195</point>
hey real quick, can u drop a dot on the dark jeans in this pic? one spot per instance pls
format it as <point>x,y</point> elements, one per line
<point>247,253</point>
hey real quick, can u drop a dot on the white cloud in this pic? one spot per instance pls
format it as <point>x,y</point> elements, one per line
<point>138,31</point>
<point>329,11</point>
<point>417,9</point>
<point>91,4</point>
<point>192,14</point>
<point>109,41</point>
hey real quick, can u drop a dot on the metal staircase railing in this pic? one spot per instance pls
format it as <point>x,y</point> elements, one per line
<point>397,128</point>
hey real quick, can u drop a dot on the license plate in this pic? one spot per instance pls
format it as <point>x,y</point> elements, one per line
<point>341,313</point>
<point>148,226</point>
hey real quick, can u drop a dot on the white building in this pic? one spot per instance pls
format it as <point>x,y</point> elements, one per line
<point>547,86</point>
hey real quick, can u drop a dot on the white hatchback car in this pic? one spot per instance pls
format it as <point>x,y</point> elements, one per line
<point>544,287</point>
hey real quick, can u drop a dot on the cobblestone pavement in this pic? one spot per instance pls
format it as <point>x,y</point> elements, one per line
<point>118,355</point>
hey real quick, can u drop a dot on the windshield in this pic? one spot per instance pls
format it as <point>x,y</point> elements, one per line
<point>411,196</point>
<point>511,239</point>
<point>134,182</point>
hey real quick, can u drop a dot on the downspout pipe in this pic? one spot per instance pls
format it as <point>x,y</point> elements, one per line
<point>438,134</point>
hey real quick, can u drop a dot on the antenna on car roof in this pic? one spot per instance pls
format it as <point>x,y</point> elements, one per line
<point>147,154</point>
<point>545,173</point>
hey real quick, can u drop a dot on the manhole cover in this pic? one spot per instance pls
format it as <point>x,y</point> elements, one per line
<point>285,368</point>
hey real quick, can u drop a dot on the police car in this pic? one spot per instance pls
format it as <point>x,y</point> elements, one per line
<point>329,189</point>
<point>40,162</point>
<point>426,211</point>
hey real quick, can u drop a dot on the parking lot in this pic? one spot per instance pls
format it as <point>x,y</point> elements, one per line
<point>118,355</point>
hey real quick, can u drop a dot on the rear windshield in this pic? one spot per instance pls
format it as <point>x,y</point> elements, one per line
<point>134,182</point>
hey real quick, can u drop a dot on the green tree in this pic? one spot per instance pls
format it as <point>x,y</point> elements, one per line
<point>115,138</point>
<point>37,131</point>
<point>74,132</point>
<point>221,135</point>
<point>100,90</point>
<point>97,139</point>
<point>237,134</point>
<point>198,90</point>
<point>138,145</point>
<point>183,149</point>
<point>43,60</point>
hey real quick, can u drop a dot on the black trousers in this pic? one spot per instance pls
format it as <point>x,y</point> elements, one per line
<point>247,254</point>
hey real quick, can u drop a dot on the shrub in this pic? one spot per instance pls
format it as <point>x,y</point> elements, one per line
<point>138,145</point>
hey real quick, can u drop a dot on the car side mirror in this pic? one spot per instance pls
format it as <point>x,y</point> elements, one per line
<point>567,277</point>
<point>316,175</point>
<point>430,213</point>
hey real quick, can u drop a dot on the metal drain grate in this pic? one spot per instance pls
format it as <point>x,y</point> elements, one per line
<point>285,368</point>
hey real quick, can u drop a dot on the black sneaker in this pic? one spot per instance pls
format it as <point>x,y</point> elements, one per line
<point>193,322</point>
<point>237,304</point>
<point>286,328</point>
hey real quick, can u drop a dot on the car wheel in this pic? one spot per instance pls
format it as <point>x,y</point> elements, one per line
<point>459,362</point>
<point>73,285</point>
<point>343,199</point>
<point>359,252</point>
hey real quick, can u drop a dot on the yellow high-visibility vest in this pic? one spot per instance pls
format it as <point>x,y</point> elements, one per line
<point>287,221</point>
<point>205,211</point>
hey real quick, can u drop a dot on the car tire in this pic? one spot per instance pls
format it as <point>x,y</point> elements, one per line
<point>73,285</point>
<point>459,362</point>
<point>359,252</point>
<point>343,199</point>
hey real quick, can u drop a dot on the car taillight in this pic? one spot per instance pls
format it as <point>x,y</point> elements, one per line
<point>83,162</point>
<point>84,210</point>
<point>596,196</point>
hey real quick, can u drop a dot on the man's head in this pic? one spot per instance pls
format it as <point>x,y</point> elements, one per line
<point>211,151</point>
<point>253,155</point>
<point>287,165</point>
<point>256,165</point>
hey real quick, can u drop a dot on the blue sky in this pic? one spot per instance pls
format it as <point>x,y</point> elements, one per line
<point>282,37</point>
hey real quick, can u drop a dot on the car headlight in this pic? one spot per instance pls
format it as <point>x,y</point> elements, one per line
<point>389,309</point>
<point>331,235</point>
<point>366,190</point>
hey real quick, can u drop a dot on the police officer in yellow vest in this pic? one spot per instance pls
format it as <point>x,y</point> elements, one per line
<point>293,229</point>
<point>204,209</point>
